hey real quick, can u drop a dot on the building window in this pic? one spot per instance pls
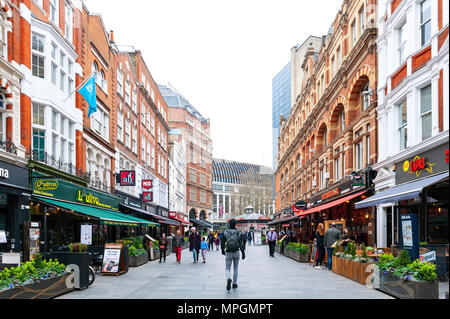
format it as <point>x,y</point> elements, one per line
<point>134,141</point>
<point>401,43</point>
<point>134,101</point>
<point>38,60</point>
<point>202,197</point>
<point>69,22</point>
<point>358,152</point>
<point>342,120</point>
<point>192,176</point>
<point>368,145</point>
<point>402,112</point>
<point>333,67</point>
<point>54,11</point>
<point>192,194</point>
<point>153,157</point>
<point>100,122</point>
<point>362,19</point>
<point>365,97</point>
<point>119,126</point>
<point>354,35</point>
<point>338,54</point>
<point>62,80</point>
<point>425,22</point>
<point>37,43</point>
<point>336,164</point>
<point>127,92</point>
<point>425,111</point>
<point>54,73</point>
<point>39,115</point>
<point>39,143</point>
<point>203,179</point>
<point>322,174</point>
<point>150,155</point>
<point>127,133</point>
<point>143,149</point>
<point>119,83</point>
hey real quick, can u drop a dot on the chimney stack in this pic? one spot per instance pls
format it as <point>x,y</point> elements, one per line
<point>111,36</point>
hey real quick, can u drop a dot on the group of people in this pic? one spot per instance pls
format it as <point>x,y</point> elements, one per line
<point>329,240</point>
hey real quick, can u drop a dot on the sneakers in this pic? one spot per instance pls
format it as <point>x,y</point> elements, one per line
<point>229,284</point>
<point>235,286</point>
<point>204,261</point>
<point>318,267</point>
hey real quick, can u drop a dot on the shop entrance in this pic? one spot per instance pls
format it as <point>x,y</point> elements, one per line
<point>3,221</point>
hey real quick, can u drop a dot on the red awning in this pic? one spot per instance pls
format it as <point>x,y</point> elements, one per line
<point>332,204</point>
<point>286,225</point>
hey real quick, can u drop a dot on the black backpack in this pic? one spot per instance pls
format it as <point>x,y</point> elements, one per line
<point>233,238</point>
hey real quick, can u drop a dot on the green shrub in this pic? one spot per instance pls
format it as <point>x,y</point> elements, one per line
<point>422,271</point>
<point>301,248</point>
<point>133,251</point>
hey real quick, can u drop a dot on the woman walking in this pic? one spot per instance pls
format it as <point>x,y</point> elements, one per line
<point>320,234</point>
<point>217,241</point>
<point>194,244</point>
<point>204,247</point>
<point>163,247</point>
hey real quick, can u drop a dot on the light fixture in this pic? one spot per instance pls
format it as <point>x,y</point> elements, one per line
<point>363,196</point>
<point>48,214</point>
<point>439,209</point>
<point>347,201</point>
<point>367,215</point>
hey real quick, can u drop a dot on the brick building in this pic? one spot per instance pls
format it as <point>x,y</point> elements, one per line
<point>330,134</point>
<point>195,130</point>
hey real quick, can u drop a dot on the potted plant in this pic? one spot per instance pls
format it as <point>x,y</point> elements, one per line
<point>351,265</point>
<point>35,279</point>
<point>401,278</point>
<point>298,252</point>
<point>79,256</point>
<point>156,250</point>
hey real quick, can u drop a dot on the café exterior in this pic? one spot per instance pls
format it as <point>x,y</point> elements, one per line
<point>68,212</point>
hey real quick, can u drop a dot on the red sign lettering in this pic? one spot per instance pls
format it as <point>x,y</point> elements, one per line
<point>446,156</point>
<point>147,196</point>
<point>127,178</point>
<point>332,193</point>
<point>147,183</point>
<point>418,164</point>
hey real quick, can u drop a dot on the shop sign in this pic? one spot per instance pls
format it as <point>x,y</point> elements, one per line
<point>331,193</point>
<point>172,214</point>
<point>147,183</point>
<point>127,178</point>
<point>429,256</point>
<point>422,165</point>
<point>62,190</point>
<point>111,258</point>
<point>147,196</point>
<point>15,175</point>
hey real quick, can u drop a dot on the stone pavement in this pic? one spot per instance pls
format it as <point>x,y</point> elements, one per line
<point>260,276</point>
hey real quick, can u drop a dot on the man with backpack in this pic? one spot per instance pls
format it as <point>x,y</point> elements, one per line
<point>231,243</point>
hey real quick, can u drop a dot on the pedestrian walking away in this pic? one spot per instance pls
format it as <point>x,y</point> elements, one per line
<point>204,246</point>
<point>231,244</point>
<point>211,241</point>
<point>271,239</point>
<point>244,239</point>
<point>217,242</point>
<point>163,243</point>
<point>320,235</point>
<point>249,237</point>
<point>177,243</point>
<point>332,235</point>
<point>194,244</point>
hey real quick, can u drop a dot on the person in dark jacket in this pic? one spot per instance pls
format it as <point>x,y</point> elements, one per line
<point>163,243</point>
<point>249,237</point>
<point>211,241</point>
<point>320,235</point>
<point>347,237</point>
<point>231,243</point>
<point>331,236</point>
<point>194,244</point>
<point>177,243</point>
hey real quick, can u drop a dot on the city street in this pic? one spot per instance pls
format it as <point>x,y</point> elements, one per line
<point>260,276</point>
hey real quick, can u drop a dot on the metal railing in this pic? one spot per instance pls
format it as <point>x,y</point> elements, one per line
<point>8,146</point>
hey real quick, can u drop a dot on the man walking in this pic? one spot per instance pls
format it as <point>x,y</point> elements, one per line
<point>178,245</point>
<point>231,243</point>
<point>194,244</point>
<point>331,236</point>
<point>211,241</point>
<point>271,239</point>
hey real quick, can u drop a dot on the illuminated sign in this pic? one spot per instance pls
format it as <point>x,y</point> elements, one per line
<point>127,178</point>
<point>331,193</point>
<point>147,183</point>
<point>147,196</point>
<point>417,166</point>
<point>46,185</point>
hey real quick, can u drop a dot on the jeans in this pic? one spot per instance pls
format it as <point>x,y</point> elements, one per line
<point>178,252</point>
<point>211,246</point>
<point>195,254</point>
<point>161,253</point>
<point>330,256</point>
<point>272,247</point>
<point>320,256</point>
<point>232,257</point>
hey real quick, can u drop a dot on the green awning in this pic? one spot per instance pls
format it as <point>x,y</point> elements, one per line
<point>107,217</point>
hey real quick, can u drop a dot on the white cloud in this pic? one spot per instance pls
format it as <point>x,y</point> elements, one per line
<point>222,56</point>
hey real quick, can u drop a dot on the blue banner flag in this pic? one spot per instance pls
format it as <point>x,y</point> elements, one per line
<point>88,92</point>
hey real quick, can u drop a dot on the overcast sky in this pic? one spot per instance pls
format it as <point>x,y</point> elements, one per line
<point>221,55</point>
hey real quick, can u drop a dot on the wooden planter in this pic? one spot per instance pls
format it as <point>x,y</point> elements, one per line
<point>45,289</point>
<point>350,269</point>
<point>297,256</point>
<point>136,261</point>
<point>407,289</point>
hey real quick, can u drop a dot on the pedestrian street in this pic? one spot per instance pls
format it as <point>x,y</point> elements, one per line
<point>260,277</point>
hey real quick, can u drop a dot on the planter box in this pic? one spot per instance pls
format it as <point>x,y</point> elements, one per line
<point>350,269</point>
<point>406,289</point>
<point>278,249</point>
<point>136,261</point>
<point>79,259</point>
<point>297,256</point>
<point>156,254</point>
<point>45,289</point>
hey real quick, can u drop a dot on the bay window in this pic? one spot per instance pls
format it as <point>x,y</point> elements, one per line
<point>402,112</point>
<point>425,111</point>
<point>425,22</point>
<point>401,43</point>
<point>54,11</point>
<point>119,126</point>
<point>68,22</point>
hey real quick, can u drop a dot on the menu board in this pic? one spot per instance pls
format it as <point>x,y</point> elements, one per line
<point>407,233</point>
<point>86,234</point>
<point>34,241</point>
<point>3,237</point>
<point>111,259</point>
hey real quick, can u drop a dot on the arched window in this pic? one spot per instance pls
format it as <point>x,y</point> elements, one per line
<point>95,68</point>
<point>104,82</point>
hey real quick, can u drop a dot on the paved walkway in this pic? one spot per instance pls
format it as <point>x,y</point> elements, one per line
<point>260,276</point>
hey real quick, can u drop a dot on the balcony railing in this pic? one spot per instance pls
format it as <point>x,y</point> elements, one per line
<point>8,146</point>
<point>47,159</point>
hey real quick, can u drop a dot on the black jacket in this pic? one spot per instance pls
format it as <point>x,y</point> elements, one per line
<point>227,234</point>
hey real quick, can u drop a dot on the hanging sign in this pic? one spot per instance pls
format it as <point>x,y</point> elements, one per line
<point>147,196</point>
<point>147,183</point>
<point>127,178</point>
